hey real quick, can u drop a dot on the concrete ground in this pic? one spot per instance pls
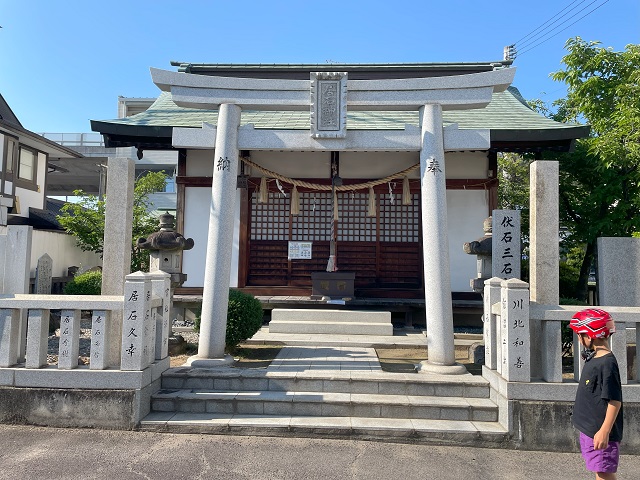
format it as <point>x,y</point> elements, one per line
<point>61,454</point>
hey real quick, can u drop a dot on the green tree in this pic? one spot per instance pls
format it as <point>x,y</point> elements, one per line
<point>85,219</point>
<point>600,179</point>
<point>513,193</point>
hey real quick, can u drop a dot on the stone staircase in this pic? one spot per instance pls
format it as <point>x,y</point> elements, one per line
<point>366,404</point>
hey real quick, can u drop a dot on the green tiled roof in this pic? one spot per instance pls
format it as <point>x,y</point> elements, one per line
<point>507,111</point>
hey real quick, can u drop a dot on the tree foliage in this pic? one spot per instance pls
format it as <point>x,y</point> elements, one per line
<point>513,194</point>
<point>85,218</point>
<point>600,178</point>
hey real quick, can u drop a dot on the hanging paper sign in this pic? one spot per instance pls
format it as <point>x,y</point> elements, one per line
<point>300,250</point>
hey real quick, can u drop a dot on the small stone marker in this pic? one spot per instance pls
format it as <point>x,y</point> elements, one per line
<point>505,245</point>
<point>43,275</point>
<point>69,339</point>
<point>99,352</point>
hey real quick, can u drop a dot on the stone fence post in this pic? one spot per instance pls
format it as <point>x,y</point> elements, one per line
<point>161,287</point>
<point>492,349</point>
<point>516,345</point>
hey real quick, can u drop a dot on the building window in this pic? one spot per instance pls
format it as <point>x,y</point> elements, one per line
<point>27,165</point>
<point>9,154</point>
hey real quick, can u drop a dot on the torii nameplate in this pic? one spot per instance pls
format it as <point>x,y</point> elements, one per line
<point>328,104</point>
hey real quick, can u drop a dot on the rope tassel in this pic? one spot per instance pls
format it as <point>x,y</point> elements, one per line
<point>263,194</point>
<point>371,209</point>
<point>295,201</point>
<point>406,191</point>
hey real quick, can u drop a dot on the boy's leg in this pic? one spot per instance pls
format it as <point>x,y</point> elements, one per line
<point>606,476</point>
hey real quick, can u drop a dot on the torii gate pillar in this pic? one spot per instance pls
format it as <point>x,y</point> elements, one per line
<point>215,301</point>
<point>435,244</point>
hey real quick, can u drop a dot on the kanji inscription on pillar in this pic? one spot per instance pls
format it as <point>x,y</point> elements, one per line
<point>135,353</point>
<point>505,244</point>
<point>328,104</point>
<point>515,339</point>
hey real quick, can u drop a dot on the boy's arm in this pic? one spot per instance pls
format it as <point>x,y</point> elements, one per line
<point>601,438</point>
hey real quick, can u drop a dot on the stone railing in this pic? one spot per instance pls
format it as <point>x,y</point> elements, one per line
<point>523,339</point>
<point>144,312</point>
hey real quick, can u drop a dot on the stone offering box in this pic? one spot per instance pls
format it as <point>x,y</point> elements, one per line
<point>332,284</point>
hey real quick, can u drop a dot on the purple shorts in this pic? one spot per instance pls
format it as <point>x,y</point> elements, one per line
<point>601,461</point>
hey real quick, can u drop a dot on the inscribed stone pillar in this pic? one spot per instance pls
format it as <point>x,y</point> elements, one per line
<point>69,344</point>
<point>437,276</point>
<point>215,300</point>
<point>514,318</point>
<point>544,267</point>
<point>505,245</point>
<point>116,258</point>
<point>100,321</point>
<point>135,325</point>
<point>44,275</point>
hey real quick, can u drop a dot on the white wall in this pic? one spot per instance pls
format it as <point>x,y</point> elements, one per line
<point>196,226</point>
<point>466,210</point>
<point>200,163</point>
<point>61,247</point>
<point>466,165</point>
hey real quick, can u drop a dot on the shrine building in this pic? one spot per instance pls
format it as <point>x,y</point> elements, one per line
<point>334,152</point>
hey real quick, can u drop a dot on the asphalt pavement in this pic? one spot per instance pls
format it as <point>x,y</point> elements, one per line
<point>49,453</point>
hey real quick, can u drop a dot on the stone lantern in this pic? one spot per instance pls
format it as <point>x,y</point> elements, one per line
<point>482,249</point>
<point>165,254</point>
<point>165,249</point>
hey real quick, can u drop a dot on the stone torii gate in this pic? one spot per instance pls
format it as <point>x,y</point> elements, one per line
<point>328,96</point>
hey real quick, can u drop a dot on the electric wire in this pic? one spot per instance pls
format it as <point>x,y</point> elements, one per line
<point>534,31</point>
<point>546,30</point>
<point>558,33</point>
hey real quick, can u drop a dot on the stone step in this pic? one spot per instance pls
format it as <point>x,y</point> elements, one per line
<point>322,404</point>
<point>466,386</point>
<point>435,432</point>
<point>325,315</point>
<point>320,321</point>
<point>341,327</point>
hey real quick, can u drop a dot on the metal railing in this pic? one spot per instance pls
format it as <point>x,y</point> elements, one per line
<point>75,139</point>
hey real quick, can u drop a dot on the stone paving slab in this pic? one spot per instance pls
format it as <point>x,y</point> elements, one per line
<point>302,359</point>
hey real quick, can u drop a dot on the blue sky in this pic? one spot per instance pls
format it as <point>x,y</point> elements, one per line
<point>66,62</point>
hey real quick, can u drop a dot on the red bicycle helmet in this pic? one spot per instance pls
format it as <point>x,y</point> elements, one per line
<point>594,322</point>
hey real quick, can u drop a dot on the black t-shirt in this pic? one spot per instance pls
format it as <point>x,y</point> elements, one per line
<point>599,383</point>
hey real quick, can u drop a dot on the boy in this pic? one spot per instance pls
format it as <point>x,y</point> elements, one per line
<point>597,412</point>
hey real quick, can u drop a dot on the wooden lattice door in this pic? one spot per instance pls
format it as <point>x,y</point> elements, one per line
<point>383,250</point>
